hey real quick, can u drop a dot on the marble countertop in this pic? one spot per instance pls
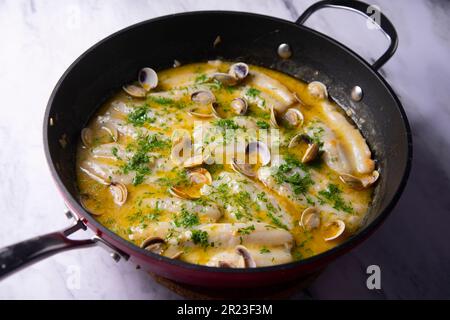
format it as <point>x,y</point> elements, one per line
<point>41,38</point>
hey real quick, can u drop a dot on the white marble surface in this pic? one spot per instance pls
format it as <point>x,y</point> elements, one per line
<point>39,39</point>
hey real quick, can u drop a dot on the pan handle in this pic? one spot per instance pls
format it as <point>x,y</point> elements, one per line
<point>365,9</point>
<point>17,256</point>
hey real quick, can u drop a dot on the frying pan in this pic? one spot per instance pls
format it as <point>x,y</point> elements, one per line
<point>188,37</point>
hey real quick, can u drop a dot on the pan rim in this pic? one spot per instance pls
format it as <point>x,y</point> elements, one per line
<point>313,260</point>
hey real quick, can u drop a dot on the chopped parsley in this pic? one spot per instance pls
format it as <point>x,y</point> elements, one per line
<point>140,159</point>
<point>162,100</point>
<point>253,92</point>
<point>200,237</point>
<point>226,124</point>
<point>300,184</point>
<point>246,230</point>
<point>333,195</point>
<point>186,219</point>
<point>262,124</point>
<point>202,78</point>
<point>139,116</point>
<point>264,250</point>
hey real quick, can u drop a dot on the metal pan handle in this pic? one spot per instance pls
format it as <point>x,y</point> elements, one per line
<point>365,9</point>
<point>20,255</point>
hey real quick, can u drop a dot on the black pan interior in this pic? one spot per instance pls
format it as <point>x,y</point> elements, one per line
<point>245,37</point>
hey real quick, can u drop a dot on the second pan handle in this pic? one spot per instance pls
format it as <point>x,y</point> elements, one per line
<point>365,9</point>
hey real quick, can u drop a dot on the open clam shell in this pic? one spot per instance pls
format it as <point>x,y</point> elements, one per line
<point>239,70</point>
<point>249,262</point>
<point>334,230</point>
<point>154,244</point>
<point>87,137</point>
<point>318,90</point>
<point>113,132</point>
<point>273,118</point>
<point>198,177</point>
<point>293,117</point>
<point>239,106</point>
<point>203,97</point>
<point>360,183</point>
<point>119,192</point>
<point>311,153</point>
<point>310,219</point>
<point>225,79</point>
<point>135,91</point>
<point>258,151</point>
<point>148,78</point>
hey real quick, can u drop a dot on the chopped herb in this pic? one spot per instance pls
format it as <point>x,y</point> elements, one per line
<point>262,124</point>
<point>202,78</point>
<point>253,92</point>
<point>200,237</point>
<point>276,221</point>
<point>226,124</point>
<point>300,184</point>
<point>140,160</point>
<point>246,230</point>
<point>186,219</point>
<point>333,195</point>
<point>139,116</point>
<point>264,250</point>
<point>114,152</point>
<point>162,100</point>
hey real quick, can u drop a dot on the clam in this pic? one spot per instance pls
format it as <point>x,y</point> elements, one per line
<point>181,193</point>
<point>293,117</point>
<point>154,244</point>
<point>113,132</point>
<point>310,218</point>
<point>203,97</point>
<point>273,118</point>
<point>119,192</point>
<point>311,153</point>
<point>255,152</point>
<point>202,113</point>
<point>148,79</point>
<point>359,183</point>
<point>318,90</point>
<point>243,168</point>
<point>249,262</point>
<point>239,70</point>
<point>239,106</point>
<point>262,152</point>
<point>135,91</point>
<point>86,137</point>
<point>225,78</point>
<point>334,230</point>
<point>198,178</point>
<point>194,161</point>
<point>295,141</point>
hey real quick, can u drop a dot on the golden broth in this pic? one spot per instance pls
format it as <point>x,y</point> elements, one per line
<point>132,219</point>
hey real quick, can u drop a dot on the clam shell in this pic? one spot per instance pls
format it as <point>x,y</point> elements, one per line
<point>293,117</point>
<point>119,192</point>
<point>311,153</point>
<point>243,168</point>
<point>339,225</point>
<point>225,79</point>
<point>148,78</point>
<point>310,219</point>
<point>135,91</point>
<point>87,137</point>
<point>262,151</point>
<point>239,106</point>
<point>360,183</point>
<point>249,262</point>
<point>113,132</point>
<point>203,97</point>
<point>239,70</point>
<point>318,90</point>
